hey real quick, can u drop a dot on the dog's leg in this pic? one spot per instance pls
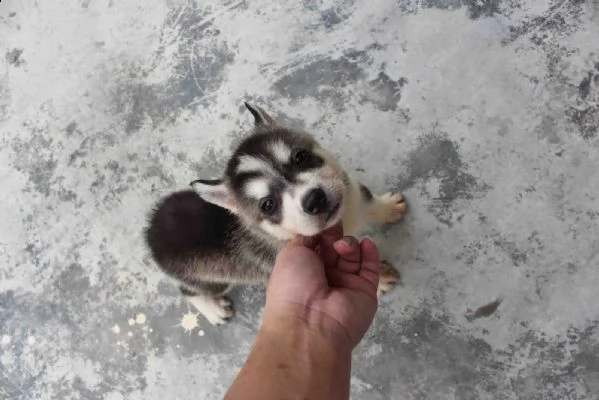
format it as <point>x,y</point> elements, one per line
<point>388,278</point>
<point>210,301</point>
<point>384,209</point>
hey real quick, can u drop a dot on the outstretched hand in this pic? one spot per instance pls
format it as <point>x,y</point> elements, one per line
<point>330,282</point>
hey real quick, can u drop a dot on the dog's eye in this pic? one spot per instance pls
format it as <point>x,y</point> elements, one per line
<point>301,158</point>
<point>268,206</point>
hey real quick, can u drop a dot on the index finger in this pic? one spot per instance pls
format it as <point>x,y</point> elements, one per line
<point>371,263</point>
<point>350,256</point>
<point>328,238</point>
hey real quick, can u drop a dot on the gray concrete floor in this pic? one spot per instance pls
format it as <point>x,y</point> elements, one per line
<point>484,113</point>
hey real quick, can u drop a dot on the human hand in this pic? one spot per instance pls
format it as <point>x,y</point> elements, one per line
<point>329,283</point>
<point>321,299</point>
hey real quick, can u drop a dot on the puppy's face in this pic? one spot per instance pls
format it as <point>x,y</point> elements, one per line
<point>281,181</point>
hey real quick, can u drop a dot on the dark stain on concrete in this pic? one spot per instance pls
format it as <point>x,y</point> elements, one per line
<point>17,308</point>
<point>69,196</point>
<point>547,129</point>
<point>491,242</point>
<point>333,80</point>
<point>426,339</point>
<point>586,120</point>
<point>123,367</point>
<point>482,8</point>
<point>470,253</point>
<point>4,99</point>
<point>75,156</point>
<point>564,367</point>
<point>476,9</point>
<point>38,156</point>
<point>14,58</point>
<point>585,86</point>
<point>437,157</point>
<point>331,17</point>
<point>555,56</point>
<point>68,316</point>
<point>35,249</point>
<point>10,389</point>
<point>41,175</point>
<point>561,367</point>
<point>518,257</point>
<point>212,165</point>
<point>36,159</point>
<point>158,171</point>
<point>99,142</point>
<point>484,311</point>
<point>322,78</point>
<point>488,245</point>
<point>71,128</point>
<point>73,281</point>
<point>503,125</point>
<point>385,92</point>
<point>334,16</point>
<point>584,112</point>
<point>200,68</point>
<point>22,315</point>
<point>561,18</point>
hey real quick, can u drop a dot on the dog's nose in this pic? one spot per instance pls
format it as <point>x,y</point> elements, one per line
<point>315,202</point>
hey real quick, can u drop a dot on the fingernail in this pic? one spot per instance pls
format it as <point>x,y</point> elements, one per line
<point>348,240</point>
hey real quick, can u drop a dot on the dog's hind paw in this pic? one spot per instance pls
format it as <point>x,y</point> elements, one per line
<point>217,309</point>
<point>388,278</point>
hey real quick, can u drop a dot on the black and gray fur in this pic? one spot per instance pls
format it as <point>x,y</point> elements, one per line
<point>277,184</point>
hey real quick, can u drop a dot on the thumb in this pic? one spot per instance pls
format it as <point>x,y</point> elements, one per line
<point>298,260</point>
<point>302,241</point>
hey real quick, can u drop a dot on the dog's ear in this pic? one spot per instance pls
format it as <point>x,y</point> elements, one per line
<point>261,118</point>
<point>215,192</point>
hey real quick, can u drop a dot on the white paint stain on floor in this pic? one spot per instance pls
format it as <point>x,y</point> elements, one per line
<point>189,321</point>
<point>140,319</point>
<point>6,339</point>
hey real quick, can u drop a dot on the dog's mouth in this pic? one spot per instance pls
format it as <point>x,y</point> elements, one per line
<point>333,211</point>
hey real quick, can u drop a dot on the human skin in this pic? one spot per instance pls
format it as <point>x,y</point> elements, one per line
<point>320,301</point>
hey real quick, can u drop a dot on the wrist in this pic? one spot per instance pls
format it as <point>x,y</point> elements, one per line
<point>308,327</point>
<point>296,355</point>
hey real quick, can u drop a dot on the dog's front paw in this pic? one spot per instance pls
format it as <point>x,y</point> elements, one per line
<point>217,309</point>
<point>388,278</point>
<point>388,208</point>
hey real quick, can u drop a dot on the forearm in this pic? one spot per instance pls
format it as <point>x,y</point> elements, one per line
<point>294,360</point>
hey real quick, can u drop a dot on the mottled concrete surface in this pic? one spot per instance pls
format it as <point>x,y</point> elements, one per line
<point>484,112</point>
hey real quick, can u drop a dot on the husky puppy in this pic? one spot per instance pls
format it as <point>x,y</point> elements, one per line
<point>277,184</point>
